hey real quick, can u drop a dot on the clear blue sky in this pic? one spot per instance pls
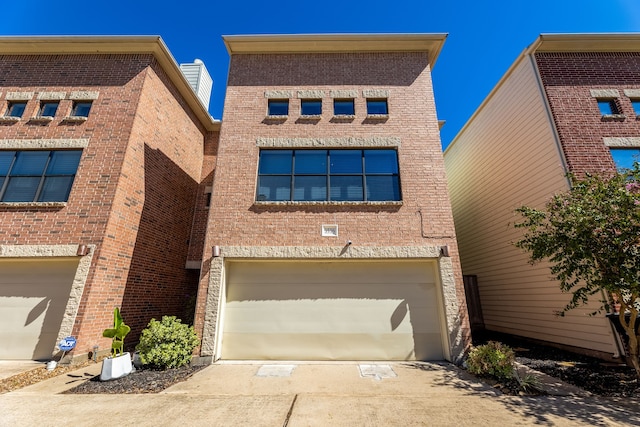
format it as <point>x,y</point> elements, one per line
<point>485,37</point>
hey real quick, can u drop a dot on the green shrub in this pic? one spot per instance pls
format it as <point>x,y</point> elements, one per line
<point>492,359</point>
<point>167,344</point>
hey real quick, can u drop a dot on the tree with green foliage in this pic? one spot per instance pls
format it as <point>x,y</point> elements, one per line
<point>591,236</point>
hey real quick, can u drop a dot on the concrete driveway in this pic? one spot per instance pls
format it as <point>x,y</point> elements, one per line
<point>309,394</point>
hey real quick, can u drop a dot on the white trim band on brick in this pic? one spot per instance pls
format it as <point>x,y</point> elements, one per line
<point>343,93</point>
<point>375,93</point>
<point>37,144</point>
<point>84,95</point>
<point>54,96</point>
<point>605,93</point>
<point>310,94</point>
<point>19,96</point>
<point>326,203</point>
<point>30,251</point>
<point>351,142</point>
<point>621,141</point>
<point>278,94</point>
<point>324,252</point>
<point>33,204</point>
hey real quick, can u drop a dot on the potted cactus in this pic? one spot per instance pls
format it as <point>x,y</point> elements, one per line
<point>118,364</point>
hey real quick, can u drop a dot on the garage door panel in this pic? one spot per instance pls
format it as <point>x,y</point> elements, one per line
<point>392,290</point>
<point>33,298</point>
<point>329,311</point>
<point>307,346</point>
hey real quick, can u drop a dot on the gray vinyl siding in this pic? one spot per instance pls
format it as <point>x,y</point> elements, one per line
<point>505,157</point>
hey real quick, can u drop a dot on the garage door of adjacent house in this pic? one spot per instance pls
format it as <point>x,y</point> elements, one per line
<point>33,297</point>
<point>303,310</point>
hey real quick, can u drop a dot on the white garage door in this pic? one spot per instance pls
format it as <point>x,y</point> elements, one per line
<point>33,296</point>
<point>332,311</point>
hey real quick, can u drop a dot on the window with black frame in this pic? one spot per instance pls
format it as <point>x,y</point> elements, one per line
<point>328,175</point>
<point>37,176</point>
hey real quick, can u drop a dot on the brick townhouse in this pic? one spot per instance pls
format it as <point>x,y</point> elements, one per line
<point>101,156</point>
<point>569,103</point>
<point>315,224</point>
<point>331,235</point>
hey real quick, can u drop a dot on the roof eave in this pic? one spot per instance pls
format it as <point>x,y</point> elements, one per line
<point>587,42</point>
<point>336,43</point>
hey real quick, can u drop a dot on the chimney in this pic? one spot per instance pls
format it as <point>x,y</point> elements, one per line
<point>199,79</point>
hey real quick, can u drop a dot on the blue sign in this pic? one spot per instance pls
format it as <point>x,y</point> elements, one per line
<point>67,343</point>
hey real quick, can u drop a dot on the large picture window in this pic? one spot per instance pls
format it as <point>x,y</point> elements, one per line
<point>328,175</point>
<point>37,176</point>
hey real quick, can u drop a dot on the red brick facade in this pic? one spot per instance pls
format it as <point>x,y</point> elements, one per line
<point>135,188</point>
<point>236,218</point>
<point>568,79</point>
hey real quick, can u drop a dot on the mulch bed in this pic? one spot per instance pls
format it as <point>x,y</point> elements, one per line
<point>140,381</point>
<point>594,375</point>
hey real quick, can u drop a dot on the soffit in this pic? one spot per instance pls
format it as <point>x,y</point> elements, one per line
<point>336,43</point>
<point>610,42</point>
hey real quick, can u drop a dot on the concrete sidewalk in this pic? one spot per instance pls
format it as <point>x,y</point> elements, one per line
<point>308,394</point>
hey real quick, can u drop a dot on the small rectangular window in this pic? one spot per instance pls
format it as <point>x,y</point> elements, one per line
<point>625,157</point>
<point>311,107</point>
<point>343,107</point>
<point>37,176</point>
<point>16,109</point>
<point>48,109</point>
<point>377,106</point>
<point>608,107</point>
<point>278,107</point>
<point>81,109</point>
<point>636,106</point>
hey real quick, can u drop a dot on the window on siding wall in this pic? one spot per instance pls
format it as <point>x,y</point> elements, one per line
<point>608,107</point>
<point>37,176</point>
<point>624,157</point>
<point>328,175</point>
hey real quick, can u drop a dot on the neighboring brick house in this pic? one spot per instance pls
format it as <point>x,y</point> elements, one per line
<point>101,156</point>
<point>331,235</point>
<point>569,103</point>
